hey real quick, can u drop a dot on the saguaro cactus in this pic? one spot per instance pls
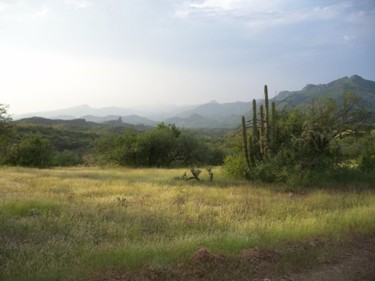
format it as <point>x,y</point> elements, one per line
<point>273,128</point>
<point>262,132</point>
<point>251,151</point>
<point>266,107</point>
<point>244,143</point>
<point>261,145</point>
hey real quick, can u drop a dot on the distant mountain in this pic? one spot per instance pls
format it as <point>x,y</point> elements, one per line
<point>193,121</point>
<point>72,125</point>
<point>210,115</point>
<point>214,109</point>
<point>130,119</point>
<point>138,120</point>
<point>80,125</point>
<point>213,114</point>
<point>364,89</point>
<point>100,119</point>
<point>78,112</point>
<point>158,113</point>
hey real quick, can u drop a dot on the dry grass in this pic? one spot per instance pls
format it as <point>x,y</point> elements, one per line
<point>63,223</point>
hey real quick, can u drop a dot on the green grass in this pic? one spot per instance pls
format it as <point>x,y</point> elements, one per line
<point>72,222</point>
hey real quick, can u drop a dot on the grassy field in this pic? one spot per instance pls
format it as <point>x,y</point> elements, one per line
<point>71,223</point>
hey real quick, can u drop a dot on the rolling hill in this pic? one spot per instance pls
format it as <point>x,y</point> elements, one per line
<point>219,115</point>
<point>365,89</point>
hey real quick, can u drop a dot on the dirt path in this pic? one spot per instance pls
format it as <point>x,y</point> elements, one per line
<point>350,259</point>
<point>356,261</point>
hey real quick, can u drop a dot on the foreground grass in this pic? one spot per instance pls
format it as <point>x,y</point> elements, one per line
<point>64,223</point>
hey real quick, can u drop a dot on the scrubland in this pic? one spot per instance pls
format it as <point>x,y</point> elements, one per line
<point>72,223</point>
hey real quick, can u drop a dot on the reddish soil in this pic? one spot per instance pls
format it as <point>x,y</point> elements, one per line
<point>349,259</point>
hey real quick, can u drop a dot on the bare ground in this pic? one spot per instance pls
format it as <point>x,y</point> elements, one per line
<point>348,259</point>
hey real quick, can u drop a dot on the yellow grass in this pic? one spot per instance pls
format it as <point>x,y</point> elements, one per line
<point>70,222</point>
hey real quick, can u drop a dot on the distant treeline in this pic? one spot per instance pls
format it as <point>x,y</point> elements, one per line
<point>46,146</point>
<point>322,141</point>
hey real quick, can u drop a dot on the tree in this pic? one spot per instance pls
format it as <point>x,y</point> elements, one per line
<point>326,123</point>
<point>4,117</point>
<point>163,146</point>
<point>4,120</point>
<point>4,131</point>
<point>32,151</point>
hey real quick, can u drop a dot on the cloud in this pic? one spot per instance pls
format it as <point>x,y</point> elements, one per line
<point>22,11</point>
<point>230,8</point>
<point>78,4</point>
<point>42,12</point>
<point>257,14</point>
<point>226,5</point>
<point>6,6</point>
<point>3,6</point>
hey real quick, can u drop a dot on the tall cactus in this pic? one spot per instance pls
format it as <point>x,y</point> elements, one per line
<point>263,142</point>
<point>244,143</point>
<point>262,132</point>
<point>251,151</point>
<point>255,138</point>
<point>273,127</point>
<point>267,113</point>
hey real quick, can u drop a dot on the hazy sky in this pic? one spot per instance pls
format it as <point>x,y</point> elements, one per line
<point>61,53</point>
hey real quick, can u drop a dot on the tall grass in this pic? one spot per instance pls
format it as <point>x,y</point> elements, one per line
<point>74,222</point>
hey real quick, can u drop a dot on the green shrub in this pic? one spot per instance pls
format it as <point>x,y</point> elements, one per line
<point>66,158</point>
<point>366,163</point>
<point>265,172</point>
<point>235,166</point>
<point>32,151</point>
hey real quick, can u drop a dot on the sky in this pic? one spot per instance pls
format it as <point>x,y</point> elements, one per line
<point>62,53</point>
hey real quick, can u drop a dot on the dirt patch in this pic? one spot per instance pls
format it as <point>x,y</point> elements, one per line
<point>348,259</point>
<point>203,255</point>
<point>354,261</point>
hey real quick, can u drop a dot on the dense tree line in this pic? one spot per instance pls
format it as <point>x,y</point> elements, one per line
<point>163,146</point>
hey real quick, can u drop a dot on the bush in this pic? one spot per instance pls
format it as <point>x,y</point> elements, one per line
<point>265,172</point>
<point>32,151</point>
<point>66,158</point>
<point>367,163</point>
<point>235,166</point>
<point>164,146</point>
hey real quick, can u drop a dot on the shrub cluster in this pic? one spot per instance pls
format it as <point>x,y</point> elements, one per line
<point>312,145</point>
<point>163,146</point>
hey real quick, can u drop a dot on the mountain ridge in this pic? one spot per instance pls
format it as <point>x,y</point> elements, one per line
<point>222,115</point>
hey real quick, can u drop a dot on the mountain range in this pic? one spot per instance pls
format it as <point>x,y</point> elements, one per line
<point>212,114</point>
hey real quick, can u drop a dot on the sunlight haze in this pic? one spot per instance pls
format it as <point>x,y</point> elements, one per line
<point>63,53</point>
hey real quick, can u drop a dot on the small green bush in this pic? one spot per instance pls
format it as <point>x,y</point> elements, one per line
<point>234,166</point>
<point>366,163</point>
<point>32,151</point>
<point>265,172</point>
<point>66,158</point>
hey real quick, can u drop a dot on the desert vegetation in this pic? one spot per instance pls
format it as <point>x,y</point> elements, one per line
<point>96,201</point>
<point>306,145</point>
<point>79,222</point>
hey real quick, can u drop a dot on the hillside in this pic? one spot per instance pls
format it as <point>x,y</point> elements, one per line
<point>218,115</point>
<point>71,125</point>
<point>227,115</point>
<point>365,89</point>
<point>78,125</point>
<point>211,115</point>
